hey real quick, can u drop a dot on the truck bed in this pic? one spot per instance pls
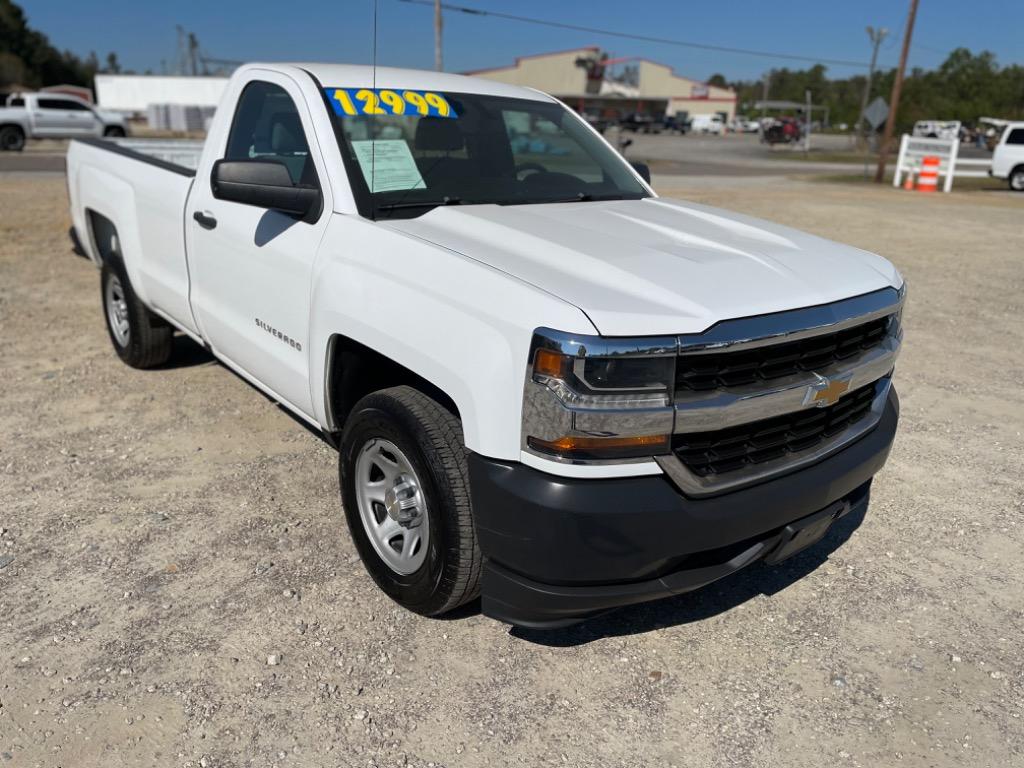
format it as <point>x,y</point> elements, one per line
<point>141,187</point>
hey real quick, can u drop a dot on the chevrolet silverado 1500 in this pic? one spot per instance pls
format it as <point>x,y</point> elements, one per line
<point>547,385</point>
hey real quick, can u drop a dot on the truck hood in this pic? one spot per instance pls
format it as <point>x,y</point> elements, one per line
<point>654,266</point>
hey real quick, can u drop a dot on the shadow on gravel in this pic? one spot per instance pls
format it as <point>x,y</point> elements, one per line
<point>186,354</point>
<point>722,596</point>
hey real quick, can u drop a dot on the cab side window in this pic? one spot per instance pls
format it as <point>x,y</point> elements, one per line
<point>65,105</point>
<point>1016,136</point>
<point>267,126</point>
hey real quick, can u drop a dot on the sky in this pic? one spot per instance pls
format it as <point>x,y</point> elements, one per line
<point>142,33</point>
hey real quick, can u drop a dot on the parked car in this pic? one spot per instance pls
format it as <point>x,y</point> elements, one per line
<point>1008,157</point>
<point>53,116</point>
<point>782,130</point>
<point>675,124</point>
<point>741,124</point>
<point>639,122</point>
<point>937,129</point>
<point>707,124</point>
<point>546,384</point>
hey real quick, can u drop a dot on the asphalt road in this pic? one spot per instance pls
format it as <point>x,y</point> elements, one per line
<point>690,155</point>
<point>34,162</point>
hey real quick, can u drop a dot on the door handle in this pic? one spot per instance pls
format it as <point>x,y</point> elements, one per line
<point>206,222</point>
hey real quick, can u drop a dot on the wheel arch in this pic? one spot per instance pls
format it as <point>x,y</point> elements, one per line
<point>102,236</point>
<point>1009,176</point>
<point>353,370</point>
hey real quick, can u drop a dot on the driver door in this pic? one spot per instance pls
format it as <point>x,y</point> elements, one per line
<point>252,267</point>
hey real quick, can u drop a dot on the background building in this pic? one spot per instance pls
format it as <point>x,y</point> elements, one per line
<point>589,80</point>
<point>133,94</point>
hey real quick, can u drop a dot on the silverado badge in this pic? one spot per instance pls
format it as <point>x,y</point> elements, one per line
<point>825,392</point>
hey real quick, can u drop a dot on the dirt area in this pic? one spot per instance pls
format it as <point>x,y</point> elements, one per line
<point>165,535</point>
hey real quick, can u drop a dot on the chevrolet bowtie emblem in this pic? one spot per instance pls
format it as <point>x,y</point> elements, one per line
<point>825,392</point>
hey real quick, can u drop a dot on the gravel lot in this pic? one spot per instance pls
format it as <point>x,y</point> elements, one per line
<point>177,587</point>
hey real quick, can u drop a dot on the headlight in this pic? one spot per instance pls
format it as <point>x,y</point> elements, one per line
<point>592,399</point>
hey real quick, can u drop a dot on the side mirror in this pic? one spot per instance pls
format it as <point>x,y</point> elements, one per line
<point>264,184</point>
<point>643,170</point>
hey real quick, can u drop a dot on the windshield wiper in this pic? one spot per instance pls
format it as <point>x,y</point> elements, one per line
<point>420,203</point>
<point>581,197</point>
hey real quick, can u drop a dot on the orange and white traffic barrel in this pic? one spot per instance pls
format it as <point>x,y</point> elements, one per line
<point>928,178</point>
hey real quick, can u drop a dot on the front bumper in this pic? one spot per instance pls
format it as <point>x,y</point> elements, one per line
<point>559,550</point>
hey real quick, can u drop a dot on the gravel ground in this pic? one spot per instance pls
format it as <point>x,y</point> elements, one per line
<point>177,587</point>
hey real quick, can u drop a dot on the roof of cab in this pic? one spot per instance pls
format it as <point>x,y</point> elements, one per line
<point>363,76</point>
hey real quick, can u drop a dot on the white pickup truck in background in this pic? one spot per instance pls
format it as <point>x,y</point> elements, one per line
<point>1008,157</point>
<point>53,116</point>
<point>547,385</point>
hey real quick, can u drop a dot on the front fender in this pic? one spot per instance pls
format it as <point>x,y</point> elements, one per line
<point>459,324</point>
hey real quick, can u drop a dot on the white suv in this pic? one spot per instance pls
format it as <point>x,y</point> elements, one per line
<point>1008,158</point>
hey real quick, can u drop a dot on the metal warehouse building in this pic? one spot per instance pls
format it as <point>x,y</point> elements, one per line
<point>584,79</point>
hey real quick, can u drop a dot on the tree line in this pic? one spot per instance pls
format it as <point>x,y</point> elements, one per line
<point>964,87</point>
<point>27,58</point>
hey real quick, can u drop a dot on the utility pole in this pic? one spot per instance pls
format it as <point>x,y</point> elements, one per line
<point>438,24</point>
<point>890,124</point>
<point>807,122</point>
<point>877,36</point>
<point>764,94</point>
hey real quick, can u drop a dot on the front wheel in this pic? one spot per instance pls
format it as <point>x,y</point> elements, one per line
<point>140,338</point>
<point>114,132</point>
<point>405,491</point>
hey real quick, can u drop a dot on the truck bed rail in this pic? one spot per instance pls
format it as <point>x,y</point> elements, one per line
<point>179,156</point>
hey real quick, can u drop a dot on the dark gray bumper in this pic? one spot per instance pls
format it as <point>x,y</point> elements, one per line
<point>558,550</point>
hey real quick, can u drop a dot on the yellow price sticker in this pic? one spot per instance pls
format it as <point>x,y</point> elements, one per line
<point>352,102</point>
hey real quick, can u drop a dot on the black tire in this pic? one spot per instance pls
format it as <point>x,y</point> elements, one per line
<point>1016,179</point>
<point>149,338</point>
<point>12,138</point>
<point>114,132</point>
<point>431,438</point>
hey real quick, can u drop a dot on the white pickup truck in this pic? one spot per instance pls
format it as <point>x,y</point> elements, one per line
<point>53,116</point>
<point>547,385</point>
<point>1008,156</point>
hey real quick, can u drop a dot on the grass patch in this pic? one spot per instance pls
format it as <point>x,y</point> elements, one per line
<point>854,158</point>
<point>961,185</point>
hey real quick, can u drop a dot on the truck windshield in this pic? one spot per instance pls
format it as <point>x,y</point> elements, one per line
<point>471,149</point>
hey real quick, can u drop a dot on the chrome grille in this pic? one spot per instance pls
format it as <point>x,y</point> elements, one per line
<point>722,370</point>
<point>745,408</point>
<point>728,450</point>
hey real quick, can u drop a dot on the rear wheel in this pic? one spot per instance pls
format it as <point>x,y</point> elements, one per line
<point>114,132</point>
<point>12,138</point>
<point>405,491</point>
<point>1016,179</point>
<point>140,338</point>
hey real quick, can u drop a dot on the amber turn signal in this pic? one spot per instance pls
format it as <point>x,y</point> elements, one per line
<point>574,447</point>
<point>549,363</point>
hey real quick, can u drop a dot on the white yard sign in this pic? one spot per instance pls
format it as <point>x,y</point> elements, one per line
<point>913,149</point>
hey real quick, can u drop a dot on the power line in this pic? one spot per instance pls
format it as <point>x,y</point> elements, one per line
<point>643,38</point>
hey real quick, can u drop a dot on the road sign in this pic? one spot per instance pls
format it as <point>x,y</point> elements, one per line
<point>876,112</point>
